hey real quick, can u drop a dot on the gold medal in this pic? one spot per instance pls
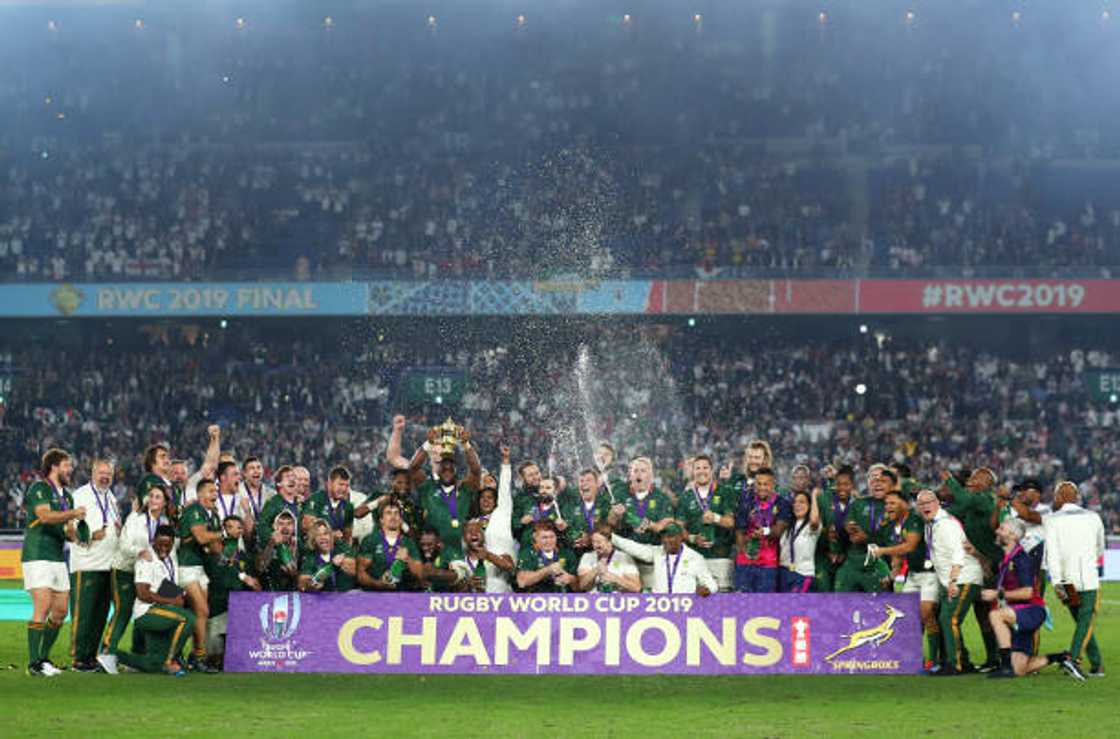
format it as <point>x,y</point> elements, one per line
<point>454,523</point>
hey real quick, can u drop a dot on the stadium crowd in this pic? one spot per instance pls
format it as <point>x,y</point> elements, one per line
<point>925,404</point>
<point>635,160</point>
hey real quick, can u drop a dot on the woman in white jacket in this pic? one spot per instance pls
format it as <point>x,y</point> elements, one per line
<point>135,541</point>
<point>495,509</point>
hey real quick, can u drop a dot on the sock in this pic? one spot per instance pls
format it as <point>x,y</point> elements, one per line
<point>1005,658</point>
<point>50,636</point>
<point>34,641</point>
<point>991,649</point>
<point>933,642</point>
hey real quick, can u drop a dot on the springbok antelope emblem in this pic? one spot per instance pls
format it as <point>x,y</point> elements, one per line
<point>876,635</point>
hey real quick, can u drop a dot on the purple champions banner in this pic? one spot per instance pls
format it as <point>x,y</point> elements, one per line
<point>574,634</point>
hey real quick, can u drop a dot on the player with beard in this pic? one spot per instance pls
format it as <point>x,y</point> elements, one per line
<point>333,506</point>
<point>446,501</point>
<point>329,564</point>
<point>278,559</point>
<point>545,508</point>
<point>592,507</point>
<point>200,536</point>
<point>604,462</point>
<point>438,577</point>
<point>254,492</point>
<point>480,570</point>
<point>705,508</point>
<point>228,500</point>
<point>388,559</point>
<point>757,456</point>
<point>158,471</point>
<point>49,510</point>
<point>605,569</point>
<point>90,565</point>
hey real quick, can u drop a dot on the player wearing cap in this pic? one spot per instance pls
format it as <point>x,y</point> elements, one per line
<point>49,510</point>
<point>1019,609</point>
<point>676,567</point>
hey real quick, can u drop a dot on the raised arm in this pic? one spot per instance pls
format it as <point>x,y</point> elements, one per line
<point>505,487</point>
<point>474,466</point>
<point>643,552</point>
<point>393,454</point>
<point>209,466</point>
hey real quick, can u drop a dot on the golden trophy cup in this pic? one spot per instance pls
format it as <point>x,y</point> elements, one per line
<point>448,435</point>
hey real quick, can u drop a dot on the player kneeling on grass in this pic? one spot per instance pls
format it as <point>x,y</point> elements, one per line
<point>1019,608</point>
<point>158,613</point>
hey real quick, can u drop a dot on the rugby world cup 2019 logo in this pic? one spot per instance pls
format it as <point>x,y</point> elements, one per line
<point>873,636</point>
<point>279,622</point>
<point>280,619</point>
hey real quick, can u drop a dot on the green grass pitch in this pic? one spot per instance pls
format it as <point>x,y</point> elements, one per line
<point>1048,705</point>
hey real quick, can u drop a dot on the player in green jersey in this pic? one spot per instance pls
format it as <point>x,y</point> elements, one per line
<point>446,501</point>
<point>545,567</point>
<point>49,510</point>
<point>974,504</point>
<point>329,566</point>
<point>200,537</point>
<point>702,506</point>
<point>286,499</point>
<point>333,506</point>
<point>389,559</point>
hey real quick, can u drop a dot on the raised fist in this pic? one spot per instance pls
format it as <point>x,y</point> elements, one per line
<point>214,431</point>
<point>398,423</point>
<point>505,454</point>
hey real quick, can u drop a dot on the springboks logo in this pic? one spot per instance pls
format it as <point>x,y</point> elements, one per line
<point>877,635</point>
<point>280,620</point>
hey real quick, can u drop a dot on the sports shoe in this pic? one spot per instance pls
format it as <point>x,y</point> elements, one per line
<point>90,666</point>
<point>1097,671</point>
<point>174,670</point>
<point>1001,672</point>
<point>988,667</point>
<point>49,669</point>
<point>36,670</point>
<point>108,663</point>
<point>197,664</point>
<point>946,671</point>
<point>1070,668</point>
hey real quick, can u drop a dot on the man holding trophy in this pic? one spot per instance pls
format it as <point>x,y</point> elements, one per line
<point>446,501</point>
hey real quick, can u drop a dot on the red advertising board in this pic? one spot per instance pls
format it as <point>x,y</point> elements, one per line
<point>988,296</point>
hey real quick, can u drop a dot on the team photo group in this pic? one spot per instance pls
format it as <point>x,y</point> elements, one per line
<point>971,545</point>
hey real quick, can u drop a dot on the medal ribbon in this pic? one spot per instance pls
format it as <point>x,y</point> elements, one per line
<point>151,528</point>
<point>671,570</point>
<point>170,567</point>
<point>335,514</point>
<point>451,500</point>
<point>227,512</point>
<point>103,506</point>
<point>390,551</point>
<point>1005,565</point>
